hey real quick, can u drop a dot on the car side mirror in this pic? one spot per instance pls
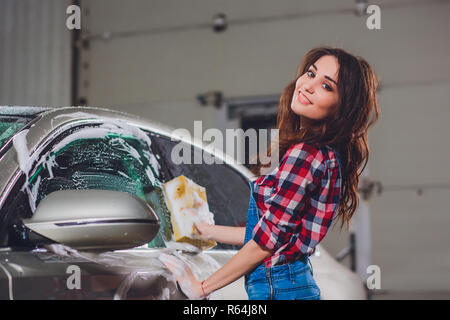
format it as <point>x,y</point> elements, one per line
<point>94,219</point>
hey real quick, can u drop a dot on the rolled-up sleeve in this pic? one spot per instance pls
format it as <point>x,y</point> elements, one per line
<point>300,173</point>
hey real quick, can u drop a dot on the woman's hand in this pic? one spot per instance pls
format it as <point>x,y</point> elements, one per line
<point>204,230</point>
<point>249,257</point>
<point>190,286</point>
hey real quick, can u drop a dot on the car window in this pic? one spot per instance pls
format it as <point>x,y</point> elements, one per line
<point>9,126</point>
<point>227,190</point>
<point>13,119</point>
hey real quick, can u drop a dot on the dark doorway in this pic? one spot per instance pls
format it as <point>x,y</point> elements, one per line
<point>265,121</point>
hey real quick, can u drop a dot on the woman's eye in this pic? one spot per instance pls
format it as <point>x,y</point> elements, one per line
<point>311,74</point>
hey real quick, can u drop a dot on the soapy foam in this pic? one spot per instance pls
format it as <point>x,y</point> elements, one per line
<point>178,268</point>
<point>141,267</point>
<point>124,287</point>
<point>182,246</point>
<point>23,154</point>
<point>26,159</point>
<point>148,263</point>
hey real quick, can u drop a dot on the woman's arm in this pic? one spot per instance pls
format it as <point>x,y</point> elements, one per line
<point>223,234</point>
<point>250,256</point>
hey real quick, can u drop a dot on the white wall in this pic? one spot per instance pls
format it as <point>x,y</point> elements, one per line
<point>411,148</point>
<point>35,54</point>
<point>158,74</point>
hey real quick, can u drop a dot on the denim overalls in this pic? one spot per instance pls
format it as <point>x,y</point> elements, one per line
<point>290,281</point>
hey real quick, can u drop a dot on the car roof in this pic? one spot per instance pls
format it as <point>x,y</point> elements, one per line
<point>22,111</point>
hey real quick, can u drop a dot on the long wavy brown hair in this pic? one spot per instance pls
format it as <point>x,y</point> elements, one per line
<point>345,130</point>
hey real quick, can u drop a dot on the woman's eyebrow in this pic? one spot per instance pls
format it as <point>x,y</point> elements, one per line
<point>327,77</point>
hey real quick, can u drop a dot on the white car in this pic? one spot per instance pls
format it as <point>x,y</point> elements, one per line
<point>82,212</point>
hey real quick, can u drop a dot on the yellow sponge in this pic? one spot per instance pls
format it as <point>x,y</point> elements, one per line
<point>187,203</point>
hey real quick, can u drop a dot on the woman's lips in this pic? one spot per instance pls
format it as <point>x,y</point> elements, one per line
<point>302,98</point>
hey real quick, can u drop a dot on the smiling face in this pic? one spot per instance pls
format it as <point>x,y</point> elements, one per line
<point>316,94</point>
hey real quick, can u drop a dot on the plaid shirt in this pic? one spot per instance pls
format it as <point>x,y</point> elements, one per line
<point>296,202</point>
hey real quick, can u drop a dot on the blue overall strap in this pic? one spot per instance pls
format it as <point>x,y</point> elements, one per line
<point>252,216</point>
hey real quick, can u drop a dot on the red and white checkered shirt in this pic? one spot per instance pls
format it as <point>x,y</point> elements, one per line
<point>297,202</point>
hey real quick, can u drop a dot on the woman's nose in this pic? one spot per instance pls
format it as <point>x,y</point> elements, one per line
<point>309,86</point>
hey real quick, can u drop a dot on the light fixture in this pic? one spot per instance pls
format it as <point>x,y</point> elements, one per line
<point>220,22</point>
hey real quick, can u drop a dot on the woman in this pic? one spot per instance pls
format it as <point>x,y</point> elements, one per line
<point>323,118</point>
